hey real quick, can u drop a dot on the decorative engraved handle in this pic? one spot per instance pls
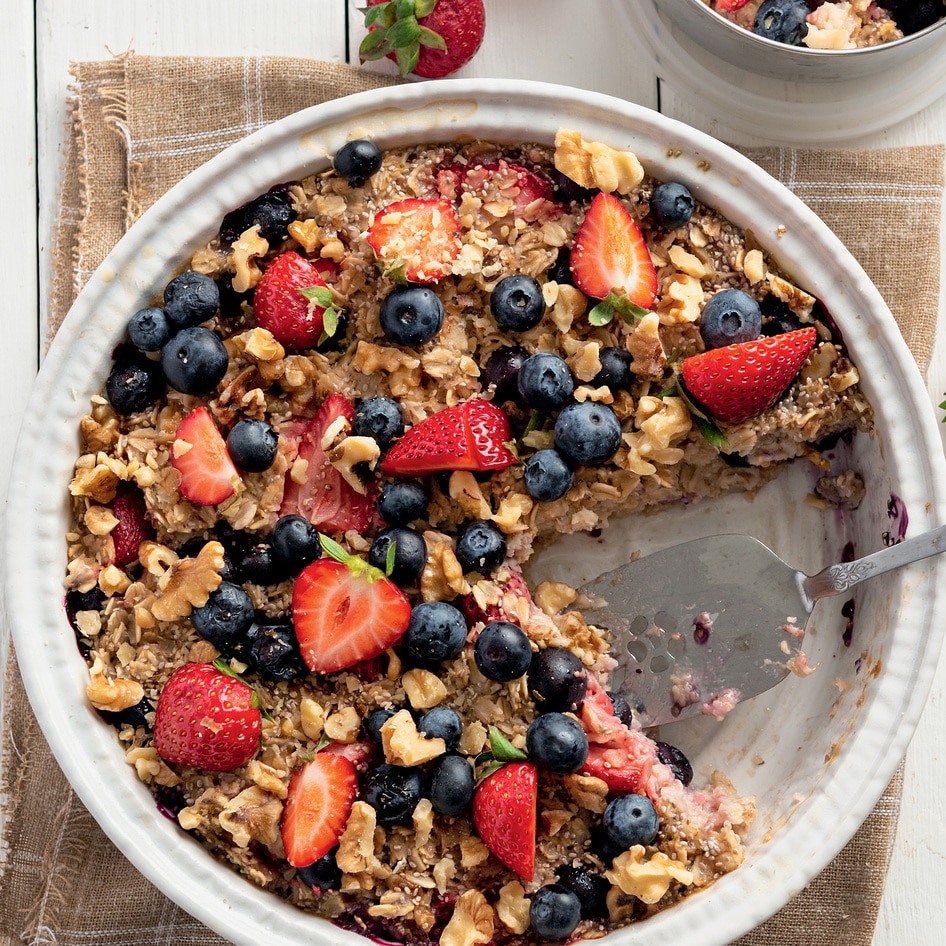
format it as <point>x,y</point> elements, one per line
<point>836,579</point>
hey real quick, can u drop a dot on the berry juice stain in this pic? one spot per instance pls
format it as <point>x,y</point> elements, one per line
<point>899,519</point>
<point>847,612</point>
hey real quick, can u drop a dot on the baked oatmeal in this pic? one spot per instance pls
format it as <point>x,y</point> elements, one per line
<point>824,24</point>
<point>319,462</point>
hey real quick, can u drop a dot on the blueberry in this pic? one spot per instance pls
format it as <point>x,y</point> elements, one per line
<point>272,650</point>
<point>547,475</point>
<point>590,887</point>
<point>554,912</point>
<point>777,316</point>
<point>295,543</point>
<point>557,742</point>
<point>272,212</point>
<point>481,547</point>
<point>672,205</point>
<point>918,15</point>
<point>394,791</point>
<point>545,382</point>
<point>410,553</point>
<point>402,501</point>
<point>357,160</point>
<point>561,270</point>
<point>133,386</point>
<point>150,329</point>
<point>557,680</point>
<point>517,303</point>
<point>77,601</point>
<point>323,874</point>
<point>259,565</point>
<point>437,631</point>
<point>729,317</point>
<point>378,417</point>
<point>630,820</point>
<point>252,445</point>
<point>194,361</point>
<point>226,617</point>
<point>231,301</point>
<point>679,764</point>
<point>615,370</point>
<point>783,21</point>
<point>376,719</point>
<point>444,723</point>
<point>411,315</point>
<point>451,785</point>
<point>502,372</point>
<point>133,716</point>
<point>622,709</point>
<point>190,299</point>
<point>587,433</point>
<point>502,651</point>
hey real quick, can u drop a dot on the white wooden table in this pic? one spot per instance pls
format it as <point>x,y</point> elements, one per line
<point>563,41</point>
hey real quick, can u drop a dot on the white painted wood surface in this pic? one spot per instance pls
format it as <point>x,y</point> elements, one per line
<point>561,41</point>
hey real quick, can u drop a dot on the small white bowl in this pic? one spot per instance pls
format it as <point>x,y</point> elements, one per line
<point>828,752</point>
<point>788,94</point>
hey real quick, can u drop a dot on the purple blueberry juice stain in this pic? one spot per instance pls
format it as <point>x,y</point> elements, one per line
<point>847,612</point>
<point>899,519</point>
<point>169,801</point>
<point>702,627</point>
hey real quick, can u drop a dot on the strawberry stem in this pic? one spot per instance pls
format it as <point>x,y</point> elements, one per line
<point>355,564</point>
<point>393,27</point>
<point>224,667</point>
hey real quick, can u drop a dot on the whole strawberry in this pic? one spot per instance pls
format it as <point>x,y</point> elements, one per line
<point>293,302</point>
<point>431,38</point>
<point>740,381</point>
<point>207,719</point>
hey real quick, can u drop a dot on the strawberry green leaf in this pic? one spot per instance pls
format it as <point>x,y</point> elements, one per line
<point>389,559</point>
<point>323,742</point>
<point>224,667</point>
<point>404,33</point>
<point>602,313</point>
<point>704,423</point>
<point>503,750</point>
<point>374,46</point>
<point>407,59</point>
<point>942,407</point>
<point>321,295</point>
<point>431,39</point>
<point>358,566</point>
<point>424,7</point>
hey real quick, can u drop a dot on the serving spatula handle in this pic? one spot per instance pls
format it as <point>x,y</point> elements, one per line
<point>836,579</point>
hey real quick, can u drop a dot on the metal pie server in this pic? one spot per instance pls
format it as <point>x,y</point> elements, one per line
<point>703,625</point>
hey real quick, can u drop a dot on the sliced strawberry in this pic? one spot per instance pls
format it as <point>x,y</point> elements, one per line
<point>134,526</point>
<point>359,754</point>
<point>504,812</point>
<point>501,596</point>
<point>206,719</point>
<point>727,6</point>
<point>321,795</point>
<point>431,38</point>
<point>623,758</point>
<point>291,300</point>
<point>468,436</point>
<point>740,381</point>
<point>610,259</point>
<point>325,497</point>
<point>531,196</point>
<point>420,236</point>
<point>346,612</point>
<point>199,454</point>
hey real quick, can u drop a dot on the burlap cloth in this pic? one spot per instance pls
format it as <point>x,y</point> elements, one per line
<point>140,124</point>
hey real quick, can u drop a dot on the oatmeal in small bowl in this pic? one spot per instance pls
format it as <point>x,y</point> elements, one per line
<point>337,431</point>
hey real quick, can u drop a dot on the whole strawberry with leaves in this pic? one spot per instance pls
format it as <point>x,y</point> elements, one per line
<point>429,38</point>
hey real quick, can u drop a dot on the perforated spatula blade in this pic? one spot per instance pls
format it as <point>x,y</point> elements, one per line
<point>703,625</point>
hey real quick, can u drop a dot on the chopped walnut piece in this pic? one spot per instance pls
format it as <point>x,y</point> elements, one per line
<point>593,164</point>
<point>100,520</point>
<point>356,845</point>
<point>404,745</point>
<point>113,696</point>
<point>343,725</point>
<point>313,718</point>
<point>423,688</point>
<point>248,247</point>
<point>553,596</point>
<point>587,792</point>
<point>187,584</point>
<point>472,921</point>
<point>648,880</point>
<point>253,815</point>
<point>350,454</point>
<point>513,907</point>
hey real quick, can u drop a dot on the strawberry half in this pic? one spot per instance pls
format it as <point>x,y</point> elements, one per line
<point>622,758</point>
<point>504,812</point>
<point>531,196</point>
<point>345,611</point>
<point>418,239</point>
<point>610,261</point>
<point>207,719</point>
<point>199,454</point>
<point>468,436</point>
<point>133,528</point>
<point>291,301</point>
<point>319,801</point>
<point>325,497</point>
<point>740,381</point>
<point>431,38</point>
